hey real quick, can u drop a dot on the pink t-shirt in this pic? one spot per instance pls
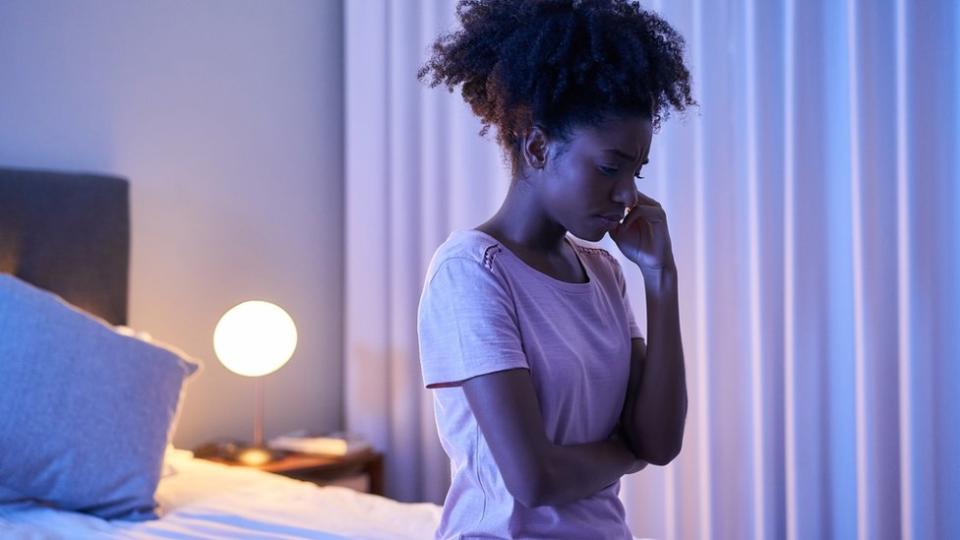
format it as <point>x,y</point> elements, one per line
<point>484,310</point>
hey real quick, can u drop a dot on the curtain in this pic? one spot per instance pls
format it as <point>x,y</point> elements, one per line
<point>813,204</point>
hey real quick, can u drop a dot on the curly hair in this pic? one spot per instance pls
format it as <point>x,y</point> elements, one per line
<point>559,64</point>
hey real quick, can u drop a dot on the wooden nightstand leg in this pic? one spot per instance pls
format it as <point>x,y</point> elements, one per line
<point>375,471</point>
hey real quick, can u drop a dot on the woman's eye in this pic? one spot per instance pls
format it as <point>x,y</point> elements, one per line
<point>638,177</point>
<point>609,171</point>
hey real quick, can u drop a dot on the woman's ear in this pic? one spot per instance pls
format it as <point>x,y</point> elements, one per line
<point>535,148</point>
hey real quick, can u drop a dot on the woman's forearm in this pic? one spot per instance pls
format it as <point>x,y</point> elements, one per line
<point>659,403</point>
<point>577,471</point>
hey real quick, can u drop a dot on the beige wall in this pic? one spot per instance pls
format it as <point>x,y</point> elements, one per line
<point>226,116</point>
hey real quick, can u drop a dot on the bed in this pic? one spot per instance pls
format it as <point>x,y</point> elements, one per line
<point>202,499</point>
<point>69,234</point>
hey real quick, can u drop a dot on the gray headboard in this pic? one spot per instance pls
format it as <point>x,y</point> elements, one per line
<point>68,233</point>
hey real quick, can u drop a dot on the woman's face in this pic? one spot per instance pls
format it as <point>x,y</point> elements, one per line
<point>594,175</point>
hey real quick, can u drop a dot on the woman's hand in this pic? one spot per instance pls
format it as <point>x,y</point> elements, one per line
<point>643,236</point>
<point>618,437</point>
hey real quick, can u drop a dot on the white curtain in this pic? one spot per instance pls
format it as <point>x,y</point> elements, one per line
<point>813,203</point>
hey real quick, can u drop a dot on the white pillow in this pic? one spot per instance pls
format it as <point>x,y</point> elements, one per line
<point>87,411</point>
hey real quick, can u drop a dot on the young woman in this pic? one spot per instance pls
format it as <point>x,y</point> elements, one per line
<point>545,390</point>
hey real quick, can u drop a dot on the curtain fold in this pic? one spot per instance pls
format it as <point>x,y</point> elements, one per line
<point>813,205</point>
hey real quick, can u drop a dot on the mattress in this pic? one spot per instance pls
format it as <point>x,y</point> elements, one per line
<point>204,500</point>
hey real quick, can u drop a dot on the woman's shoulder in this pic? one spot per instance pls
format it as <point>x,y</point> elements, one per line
<point>605,266</point>
<point>464,264</point>
<point>591,251</point>
<point>466,245</point>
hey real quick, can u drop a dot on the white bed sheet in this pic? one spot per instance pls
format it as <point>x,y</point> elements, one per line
<point>205,500</point>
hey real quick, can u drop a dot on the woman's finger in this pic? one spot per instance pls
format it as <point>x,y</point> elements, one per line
<point>646,199</point>
<point>653,213</point>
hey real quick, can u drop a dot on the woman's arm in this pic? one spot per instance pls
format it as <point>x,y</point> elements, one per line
<point>656,406</point>
<point>536,471</point>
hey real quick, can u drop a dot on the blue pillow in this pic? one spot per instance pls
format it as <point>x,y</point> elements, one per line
<point>85,412</point>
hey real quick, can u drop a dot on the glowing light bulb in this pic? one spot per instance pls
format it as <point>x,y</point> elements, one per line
<point>255,338</point>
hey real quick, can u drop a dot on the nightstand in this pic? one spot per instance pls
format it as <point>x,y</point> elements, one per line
<point>346,470</point>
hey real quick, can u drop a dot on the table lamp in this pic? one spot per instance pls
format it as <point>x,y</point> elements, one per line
<point>254,339</point>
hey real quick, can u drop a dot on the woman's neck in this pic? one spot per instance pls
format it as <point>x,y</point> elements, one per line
<point>522,224</point>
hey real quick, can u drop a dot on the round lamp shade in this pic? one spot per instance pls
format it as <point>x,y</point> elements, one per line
<point>254,338</point>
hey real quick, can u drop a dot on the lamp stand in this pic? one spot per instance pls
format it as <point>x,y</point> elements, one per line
<point>258,414</point>
<point>258,453</point>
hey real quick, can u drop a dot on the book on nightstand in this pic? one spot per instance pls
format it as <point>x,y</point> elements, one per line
<point>333,444</point>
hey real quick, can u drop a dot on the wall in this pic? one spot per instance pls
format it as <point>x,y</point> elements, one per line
<point>226,116</point>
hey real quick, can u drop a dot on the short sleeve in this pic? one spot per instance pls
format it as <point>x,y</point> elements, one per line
<point>466,324</point>
<point>631,320</point>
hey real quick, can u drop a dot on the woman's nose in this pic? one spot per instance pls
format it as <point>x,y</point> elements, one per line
<point>628,195</point>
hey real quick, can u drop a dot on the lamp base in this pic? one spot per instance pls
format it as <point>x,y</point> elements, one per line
<point>254,456</point>
<point>240,453</point>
